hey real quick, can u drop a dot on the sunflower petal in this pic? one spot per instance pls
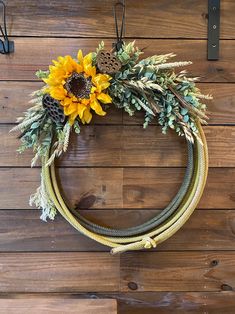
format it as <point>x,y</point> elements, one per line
<point>87,61</point>
<point>80,110</point>
<point>80,56</point>
<point>72,108</point>
<point>104,98</point>
<point>95,105</point>
<point>58,92</point>
<point>90,70</point>
<point>72,118</point>
<point>87,116</point>
<point>101,81</point>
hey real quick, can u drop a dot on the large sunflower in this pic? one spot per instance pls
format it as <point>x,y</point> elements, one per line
<point>78,87</point>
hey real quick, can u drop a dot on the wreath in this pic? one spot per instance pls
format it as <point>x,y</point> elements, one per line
<point>76,89</point>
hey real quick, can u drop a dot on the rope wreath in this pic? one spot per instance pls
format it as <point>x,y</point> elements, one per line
<point>77,88</point>
<point>154,231</point>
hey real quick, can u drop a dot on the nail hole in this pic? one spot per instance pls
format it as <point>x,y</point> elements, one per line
<point>214,8</point>
<point>214,26</point>
<point>214,46</point>
<point>214,263</point>
<point>132,285</point>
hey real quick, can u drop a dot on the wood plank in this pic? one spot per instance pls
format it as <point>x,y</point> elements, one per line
<point>28,58</point>
<point>152,271</point>
<point>176,302</point>
<point>14,98</point>
<point>107,188</point>
<point>75,18</point>
<point>177,271</point>
<point>122,146</point>
<point>55,305</point>
<point>22,230</point>
<point>58,272</point>
<point>168,19</point>
<point>79,18</point>
<point>153,302</point>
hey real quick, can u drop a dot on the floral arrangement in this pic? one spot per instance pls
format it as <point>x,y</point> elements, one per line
<point>76,89</point>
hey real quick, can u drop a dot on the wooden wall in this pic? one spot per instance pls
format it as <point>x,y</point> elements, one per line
<point>121,173</point>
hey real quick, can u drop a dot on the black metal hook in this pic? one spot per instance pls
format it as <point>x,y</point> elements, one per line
<point>6,46</point>
<point>119,35</point>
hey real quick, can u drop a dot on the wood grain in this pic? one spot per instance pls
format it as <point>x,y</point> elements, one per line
<point>14,100</point>
<point>171,19</point>
<point>154,271</point>
<point>161,19</point>
<point>107,188</point>
<point>21,230</point>
<point>58,272</point>
<point>109,145</point>
<point>55,305</point>
<point>28,58</point>
<point>177,271</point>
<point>176,302</point>
<point>152,302</point>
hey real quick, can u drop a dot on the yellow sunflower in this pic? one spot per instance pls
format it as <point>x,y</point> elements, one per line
<point>78,87</point>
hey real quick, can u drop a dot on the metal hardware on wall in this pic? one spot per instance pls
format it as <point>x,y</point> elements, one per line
<point>213,29</point>
<point>6,46</point>
<point>120,34</point>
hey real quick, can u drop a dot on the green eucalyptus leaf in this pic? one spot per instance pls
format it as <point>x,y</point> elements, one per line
<point>169,109</point>
<point>35,125</point>
<point>183,111</point>
<point>188,98</point>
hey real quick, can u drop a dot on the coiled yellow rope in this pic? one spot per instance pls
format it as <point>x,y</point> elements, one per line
<point>160,233</point>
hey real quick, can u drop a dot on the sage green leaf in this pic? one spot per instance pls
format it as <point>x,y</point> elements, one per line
<point>169,109</point>
<point>184,111</point>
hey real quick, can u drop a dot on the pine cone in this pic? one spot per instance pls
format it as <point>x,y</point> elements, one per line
<point>54,109</point>
<point>107,62</point>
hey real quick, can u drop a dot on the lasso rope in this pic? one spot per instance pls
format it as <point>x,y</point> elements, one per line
<point>154,231</point>
<point>154,222</point>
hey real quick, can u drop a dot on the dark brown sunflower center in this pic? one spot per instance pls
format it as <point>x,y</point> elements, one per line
<point>78,85</point>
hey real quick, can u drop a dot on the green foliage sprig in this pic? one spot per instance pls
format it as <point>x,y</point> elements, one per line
<point>151,85</point>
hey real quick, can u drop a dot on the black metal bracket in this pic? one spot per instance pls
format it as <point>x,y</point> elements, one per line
<point>6,46</point>
<point>213,29</point>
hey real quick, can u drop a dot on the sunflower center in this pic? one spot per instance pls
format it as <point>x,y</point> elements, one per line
<point>79,85</point>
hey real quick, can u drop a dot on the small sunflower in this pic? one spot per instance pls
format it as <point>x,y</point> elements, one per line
<point>78,87</point>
